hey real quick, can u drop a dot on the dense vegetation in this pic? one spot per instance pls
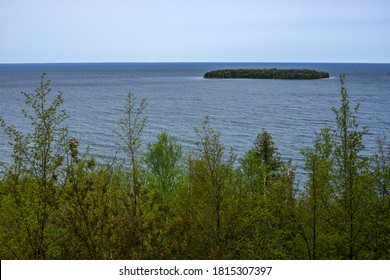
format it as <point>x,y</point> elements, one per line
<point>286,74</point>
<point>58,203</point>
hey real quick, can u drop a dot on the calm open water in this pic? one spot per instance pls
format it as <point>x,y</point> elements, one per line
<point>179,98</point>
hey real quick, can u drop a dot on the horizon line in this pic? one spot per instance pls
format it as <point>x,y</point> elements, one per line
<point>183,62</point>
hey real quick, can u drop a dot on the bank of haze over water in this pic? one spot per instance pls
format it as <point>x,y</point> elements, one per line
<point>179,97</point>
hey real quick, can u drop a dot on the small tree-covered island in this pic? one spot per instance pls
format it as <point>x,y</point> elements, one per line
<point>284,74</point>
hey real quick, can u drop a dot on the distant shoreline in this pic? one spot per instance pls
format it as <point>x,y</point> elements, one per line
<point>274,73</point>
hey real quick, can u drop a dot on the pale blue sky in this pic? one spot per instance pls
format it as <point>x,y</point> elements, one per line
<point>201,30</point>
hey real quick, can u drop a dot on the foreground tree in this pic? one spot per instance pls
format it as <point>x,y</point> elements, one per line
<point>210,177</point>
<point>353,186</point>
<point>129,134</point>
<point>379,247</point>
<point>339,194</point>
<point>267,202</point>
<point>316,204</point>
<point>34,180</point>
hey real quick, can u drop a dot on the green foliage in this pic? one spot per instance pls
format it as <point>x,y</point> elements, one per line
<point>381,167</point>
<point>164,170</point>
<point>380,214</point>
<point>58,203</point>
<point>286,74</point>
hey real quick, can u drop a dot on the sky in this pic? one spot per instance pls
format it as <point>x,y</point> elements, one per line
<point>41,31</point>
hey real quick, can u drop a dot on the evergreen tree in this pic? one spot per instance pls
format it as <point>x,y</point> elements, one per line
<point>262,164</point>
<point>269,189</point>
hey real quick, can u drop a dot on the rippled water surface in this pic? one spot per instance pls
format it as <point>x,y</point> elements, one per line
<point>179,98</point>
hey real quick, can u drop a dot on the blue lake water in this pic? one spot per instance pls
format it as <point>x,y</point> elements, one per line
<point>179,98</point>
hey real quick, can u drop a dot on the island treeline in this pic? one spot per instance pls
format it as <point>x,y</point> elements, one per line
<point>284,74</point>
<point>59,203</point>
